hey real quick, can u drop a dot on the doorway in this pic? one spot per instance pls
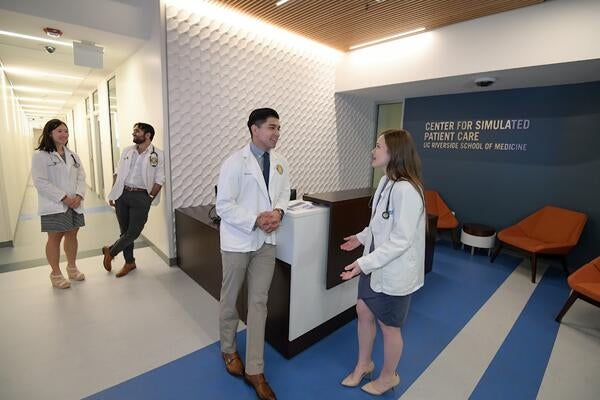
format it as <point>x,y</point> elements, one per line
<point>389,116</point>
<point>98,144</point>
<point>90,144</point>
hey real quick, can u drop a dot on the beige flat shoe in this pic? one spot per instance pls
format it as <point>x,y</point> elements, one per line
<point>372,390</point>
<point>59,281</point>
<point>348,382</point>
<point>75,274</point>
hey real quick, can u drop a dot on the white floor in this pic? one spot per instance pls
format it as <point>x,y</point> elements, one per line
<point>67,344</point>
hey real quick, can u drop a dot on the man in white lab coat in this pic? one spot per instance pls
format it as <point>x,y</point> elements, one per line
<point>140,177</point>
<point>253,194</point>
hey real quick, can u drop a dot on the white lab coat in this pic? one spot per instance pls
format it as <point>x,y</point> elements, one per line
<point>242,195</point>
<point>54,179</point>
<point>397,263</point>
<point>150,174</point>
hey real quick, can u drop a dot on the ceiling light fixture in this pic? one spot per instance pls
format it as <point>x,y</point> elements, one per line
<point>39,100</point>
<point>281,2</point>
<point>385,39</point>
<point>34,112</point>
<point>38,90</point>
<point>36,38</point>
<point>37,73</point>
<point>39,107</point>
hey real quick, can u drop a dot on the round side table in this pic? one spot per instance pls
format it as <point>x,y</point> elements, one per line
<point>478,236</point>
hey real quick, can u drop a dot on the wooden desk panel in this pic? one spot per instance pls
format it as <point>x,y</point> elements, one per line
<point>349,214</point>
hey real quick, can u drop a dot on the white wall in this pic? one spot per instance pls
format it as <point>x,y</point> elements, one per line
<point>221,65</point>
<point>552,32</point>
<point>17,147</point>
<point>140,98</point>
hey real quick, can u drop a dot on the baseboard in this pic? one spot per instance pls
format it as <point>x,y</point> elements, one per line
<point>19,265</point>
<point>170,261</point>
<point>8,243</point>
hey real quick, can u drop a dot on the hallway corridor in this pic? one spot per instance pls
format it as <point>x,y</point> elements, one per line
<point>28,249</point>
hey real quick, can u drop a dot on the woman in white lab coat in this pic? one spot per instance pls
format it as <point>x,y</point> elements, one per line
<point>392,265</point>
<point>59,178</point>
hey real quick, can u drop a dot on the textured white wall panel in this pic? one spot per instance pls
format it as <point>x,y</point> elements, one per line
<point>218,73</point>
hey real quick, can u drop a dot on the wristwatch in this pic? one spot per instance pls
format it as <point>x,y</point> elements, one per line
<point>281,213</point>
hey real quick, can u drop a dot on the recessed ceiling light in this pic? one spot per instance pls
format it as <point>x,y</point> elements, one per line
<point>385,39</point>
<point>38,90</point>
<point>39,100</point>
<point>36,38</point>
<point>39,107</point>
<point>34,112</point>
<point>281,2</point>
<point>37,73</point>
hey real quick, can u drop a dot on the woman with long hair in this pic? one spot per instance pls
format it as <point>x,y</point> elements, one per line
<point>59,178</point>
<point>392,265</point>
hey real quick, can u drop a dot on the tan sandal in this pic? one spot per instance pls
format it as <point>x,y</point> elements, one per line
<point>372,390</point>
<point>368,373</point>
<point>59,281</point>
<point>75,274</point>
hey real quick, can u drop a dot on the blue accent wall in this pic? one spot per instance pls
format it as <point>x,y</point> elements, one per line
<point>556,163</point>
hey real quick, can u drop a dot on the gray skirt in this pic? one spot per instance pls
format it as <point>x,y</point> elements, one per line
<point>391,310</point>
<point>62,222</point>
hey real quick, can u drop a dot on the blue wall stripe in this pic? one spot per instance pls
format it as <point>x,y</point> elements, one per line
<point>454,291</point>
<point>517,370</point>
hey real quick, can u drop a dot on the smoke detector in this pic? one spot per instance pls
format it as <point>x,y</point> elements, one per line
<point>53,32</point>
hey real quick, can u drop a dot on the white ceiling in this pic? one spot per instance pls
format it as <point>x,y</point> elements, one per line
<point>542,75</point>
<point>124,17</point>
<point>30,55</point>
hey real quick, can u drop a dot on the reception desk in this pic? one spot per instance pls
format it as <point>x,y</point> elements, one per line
<point>302,307</point>
<point>301,310</point>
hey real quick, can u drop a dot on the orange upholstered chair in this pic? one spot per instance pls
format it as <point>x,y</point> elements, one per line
<point>551,231</point>
<point>446,220</point>
<point>585,285</point>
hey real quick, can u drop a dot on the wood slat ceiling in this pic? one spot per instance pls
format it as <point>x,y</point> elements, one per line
<point>344,23</point>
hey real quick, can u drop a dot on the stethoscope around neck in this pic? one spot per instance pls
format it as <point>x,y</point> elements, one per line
<point>54,161</point>
<point>385,214</point>
<point>153,158</point>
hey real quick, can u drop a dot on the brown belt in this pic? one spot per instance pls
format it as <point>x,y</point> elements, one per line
<point>132,189</point>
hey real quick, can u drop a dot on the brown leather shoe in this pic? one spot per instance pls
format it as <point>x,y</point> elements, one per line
<point>262,388</point>
<point>107,258</point>
<point>127,268</point>
<point>233,363</point>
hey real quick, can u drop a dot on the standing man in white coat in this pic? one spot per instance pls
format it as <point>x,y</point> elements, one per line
<point>140,177</point>
<point>253,194</point>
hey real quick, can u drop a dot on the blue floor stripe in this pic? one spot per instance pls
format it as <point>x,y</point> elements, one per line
<point>454,291</point>
<point>517,370</point>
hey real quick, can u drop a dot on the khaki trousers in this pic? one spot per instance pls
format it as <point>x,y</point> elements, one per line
<point>257,267</point>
